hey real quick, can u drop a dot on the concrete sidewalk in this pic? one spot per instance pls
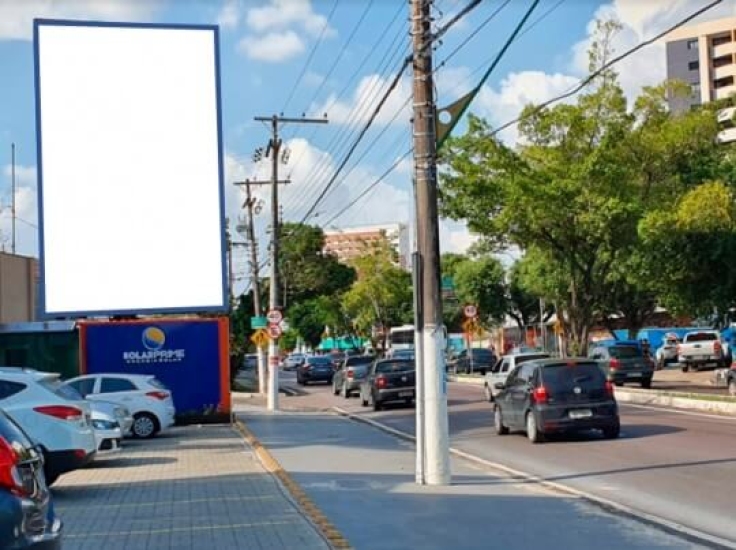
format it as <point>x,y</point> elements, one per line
<point>363,481</point>
<point>188,489</point>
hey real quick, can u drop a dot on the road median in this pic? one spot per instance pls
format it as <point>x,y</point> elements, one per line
<point>690,401</point>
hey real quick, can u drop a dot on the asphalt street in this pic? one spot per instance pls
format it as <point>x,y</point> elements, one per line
<point>675,465</point>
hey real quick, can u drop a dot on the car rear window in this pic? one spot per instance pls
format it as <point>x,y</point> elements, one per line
<point>564,376</point>
<point>394,366</point>
<point>701,337</point>
<point>319,361</point>
<point>624,352</point>
<point>64,391</point>
<point>482,354</point>
<point>367,360</point>
<point>525,358</point>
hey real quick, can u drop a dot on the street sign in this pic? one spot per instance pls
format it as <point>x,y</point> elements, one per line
<point>258,322</point>
<point>470,311</point>
<point>260,338</point>
<point>274,331</point>
<point>274,316</point>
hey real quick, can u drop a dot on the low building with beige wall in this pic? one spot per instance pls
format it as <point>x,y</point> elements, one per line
<point>18,288</point>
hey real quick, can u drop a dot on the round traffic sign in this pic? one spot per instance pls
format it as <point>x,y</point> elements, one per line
<point>274,317</point>
<point>470,311</point>
<point>274,331</point>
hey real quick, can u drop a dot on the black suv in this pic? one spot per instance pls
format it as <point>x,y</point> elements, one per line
<point>27,517</point>
<point>556,396</point>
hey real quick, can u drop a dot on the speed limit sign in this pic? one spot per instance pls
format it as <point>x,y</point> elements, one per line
<point>470,311</point>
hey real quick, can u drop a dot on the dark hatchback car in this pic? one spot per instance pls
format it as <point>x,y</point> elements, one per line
<point>27,517</point>
<point>556,396</point>
<point>388,381</point>
<point>624,362</point>
<point>317,368</point>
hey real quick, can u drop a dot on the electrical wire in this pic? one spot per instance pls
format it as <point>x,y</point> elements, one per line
<point>357,141</point>
<point>311,55</point>
<point>588,79</point>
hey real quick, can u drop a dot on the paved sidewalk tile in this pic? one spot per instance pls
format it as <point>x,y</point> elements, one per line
<point>189,488</point>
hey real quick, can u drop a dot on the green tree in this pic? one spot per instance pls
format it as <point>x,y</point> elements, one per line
<point>574,192</point>
<point>480,282</point>
<point>523,304</point>
<point>382,293</point>
<point>310,317</point>
<point>306,270</point>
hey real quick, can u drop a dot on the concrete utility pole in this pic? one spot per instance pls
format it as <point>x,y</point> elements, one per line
<point>274,149</point>
<point>255,284</point>
<point>433,397</point>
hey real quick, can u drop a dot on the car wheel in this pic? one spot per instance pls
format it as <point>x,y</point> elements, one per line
<point>145,425</point>
<point>732,387</point>
<point>345,393</point>
<point>376,404</point>
<point>334,387</point>
<point>50,478</point>
<point>612,432</point>
<point>532,430</point>
<point>619,382</point>
<point>488,392</point>
<point>685,368</point>
<point>498,422</point>
<point>646,383</point>
<point>363,400</point>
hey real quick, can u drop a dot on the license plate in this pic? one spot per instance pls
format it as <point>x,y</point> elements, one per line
<point>700,357</point>
<point>406,394</point>
<point>633,375</point>
<point>581,413</point>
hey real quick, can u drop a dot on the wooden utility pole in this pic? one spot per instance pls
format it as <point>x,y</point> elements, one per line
<point>12,199</point>
<point>432,398</point>
<point>274,149</point>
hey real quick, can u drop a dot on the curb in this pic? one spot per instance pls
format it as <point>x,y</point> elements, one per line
<point>693,535</point>
<point>323,525</point>
<point>653,397</point>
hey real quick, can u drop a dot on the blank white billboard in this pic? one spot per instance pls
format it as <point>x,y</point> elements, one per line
<point>130,174</point>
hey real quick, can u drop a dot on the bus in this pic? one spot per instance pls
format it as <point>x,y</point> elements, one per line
<point>402,338</point>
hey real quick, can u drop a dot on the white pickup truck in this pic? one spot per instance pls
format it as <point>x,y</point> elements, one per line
<point>701,348</point>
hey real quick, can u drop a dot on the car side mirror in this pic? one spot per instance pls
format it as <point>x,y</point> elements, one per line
<point>499,385</point>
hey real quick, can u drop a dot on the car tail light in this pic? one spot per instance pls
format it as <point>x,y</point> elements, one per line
<point>62,412</point>
<point>615,364</point>
<point>733,365</point>
<point>609,388</point>
<point>540,395</point>
<point>350,374</point>
<point>381,382</point>
<point>158,395</point>
<point>717,347</point>
<point>10,476</point>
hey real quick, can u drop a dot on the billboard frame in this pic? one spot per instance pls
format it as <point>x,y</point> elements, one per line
<point>42,305</point>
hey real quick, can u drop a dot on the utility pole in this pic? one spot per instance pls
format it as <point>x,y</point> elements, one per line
<point>12,200</point>
<point>274,149</point>
<point>436,456</point>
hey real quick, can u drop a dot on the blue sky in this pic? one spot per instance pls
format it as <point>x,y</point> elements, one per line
<point>265,46</point>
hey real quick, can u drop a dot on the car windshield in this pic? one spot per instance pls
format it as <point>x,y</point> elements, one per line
<point>701,337</point>
<point>54,385</point>
<point>319,360</point>
<point>624,352</point>
<point>394,366</point>
<point>566,376</point>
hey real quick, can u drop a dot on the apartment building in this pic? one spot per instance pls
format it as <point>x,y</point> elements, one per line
<point>350,243</point>
<point>704,56</point>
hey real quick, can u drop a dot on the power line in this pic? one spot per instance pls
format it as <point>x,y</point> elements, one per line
<point>588,79</point>
<point>311,55</point>
<point>369,188</point>
<point>357,141</point>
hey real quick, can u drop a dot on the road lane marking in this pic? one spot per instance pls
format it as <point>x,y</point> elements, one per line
<point>725,418</point>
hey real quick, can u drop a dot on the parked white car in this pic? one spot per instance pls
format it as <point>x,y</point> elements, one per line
<point>147,399</point>
<point>52,416</point>
<point>108,433</point>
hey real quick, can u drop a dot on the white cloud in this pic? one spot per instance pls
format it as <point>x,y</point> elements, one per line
<point>455,237</point>
<point>230,14</point>
<point>284,14</point>
<point>361,106</point>
<point>313,79</point>
<point>272,47</point>
<point>16,16</point>
<point>25,208</point>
